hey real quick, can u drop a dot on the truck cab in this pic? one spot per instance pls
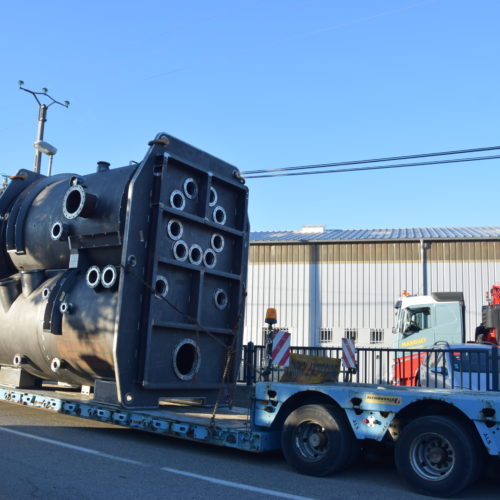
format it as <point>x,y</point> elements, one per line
<point>423,320</point>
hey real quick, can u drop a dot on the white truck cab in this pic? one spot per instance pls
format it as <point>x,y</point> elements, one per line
<point>423,320</point>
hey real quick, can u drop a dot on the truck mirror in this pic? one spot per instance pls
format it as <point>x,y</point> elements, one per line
<point>440,370</point>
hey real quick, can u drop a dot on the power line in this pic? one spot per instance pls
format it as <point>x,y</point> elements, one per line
<point>378,167</point>
<point>375,160</point>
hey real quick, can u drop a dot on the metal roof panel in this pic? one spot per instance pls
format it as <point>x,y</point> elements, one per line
<point>460,233</point>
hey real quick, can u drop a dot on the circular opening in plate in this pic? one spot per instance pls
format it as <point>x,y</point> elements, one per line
<point>217,242</point>
<point>219,215</point>
<point>186,359</point>
<point>45,293</point>
<point>221,299</point>
<point>180,250</point>
<point>195,255</point>
<point>209,258</point>
<point>175,229</point>
<point>190,188</point>
<point>212,199</point>
<point>161,286</point>
<point>177,200</point>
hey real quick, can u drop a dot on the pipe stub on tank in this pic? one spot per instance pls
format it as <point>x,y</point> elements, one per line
<point>78,203</point>
<point>20,360</point>
<point>93,277</point>
<point>109,276</point>
<point>65,307</point>
<point>57,364</point>
<point>59,231</point>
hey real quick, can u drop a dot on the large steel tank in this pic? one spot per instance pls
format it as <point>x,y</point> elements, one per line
<point>131,278</point>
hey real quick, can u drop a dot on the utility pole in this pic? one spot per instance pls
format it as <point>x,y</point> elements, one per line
<point>42,118</point>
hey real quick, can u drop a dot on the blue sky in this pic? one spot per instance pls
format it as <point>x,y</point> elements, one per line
<point>270,84</point>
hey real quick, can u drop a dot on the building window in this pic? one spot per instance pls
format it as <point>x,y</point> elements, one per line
<point>351,333</point>
<point>265,330</point>
<point>325,335</point>
<point>376,336</point>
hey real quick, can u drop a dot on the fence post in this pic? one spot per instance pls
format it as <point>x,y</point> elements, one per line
<point>250,363</point>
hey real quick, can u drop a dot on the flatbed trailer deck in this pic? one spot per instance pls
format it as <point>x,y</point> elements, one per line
<point>230,427</point>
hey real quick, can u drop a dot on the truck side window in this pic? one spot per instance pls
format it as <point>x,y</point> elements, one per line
<point>418,319</point>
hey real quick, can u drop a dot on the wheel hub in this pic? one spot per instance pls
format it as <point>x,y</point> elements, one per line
<point>311,441</point>
<point>436,455</point>
<point>432,456</point>
<point>316,440</point>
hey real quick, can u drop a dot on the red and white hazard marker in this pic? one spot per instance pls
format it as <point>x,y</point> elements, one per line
<point>281,348</point>
<point>348,353</point>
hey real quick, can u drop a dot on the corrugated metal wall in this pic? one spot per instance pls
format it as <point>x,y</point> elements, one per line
<point>353,285</point>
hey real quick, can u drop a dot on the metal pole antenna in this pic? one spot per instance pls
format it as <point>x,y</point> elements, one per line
<point>42,118</point>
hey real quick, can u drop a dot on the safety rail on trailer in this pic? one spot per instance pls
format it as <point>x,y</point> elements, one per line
<point>469,366</point>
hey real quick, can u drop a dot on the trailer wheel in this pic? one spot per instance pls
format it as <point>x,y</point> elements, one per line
<point>438,455</point>
<point>317,440</point>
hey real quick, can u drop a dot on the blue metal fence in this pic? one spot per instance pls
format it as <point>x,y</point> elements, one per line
<point>471,366</point>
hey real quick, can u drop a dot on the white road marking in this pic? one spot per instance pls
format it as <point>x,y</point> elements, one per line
<point>179,472</point>
<point>231,484</point>
<point>73,447</point>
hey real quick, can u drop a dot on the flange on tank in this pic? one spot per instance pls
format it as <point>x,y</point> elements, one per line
<point>133,276</point>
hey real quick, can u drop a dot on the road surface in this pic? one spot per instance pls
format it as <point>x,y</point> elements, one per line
<point>52,456</point>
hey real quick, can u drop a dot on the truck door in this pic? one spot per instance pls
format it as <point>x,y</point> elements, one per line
<point>416,327</point>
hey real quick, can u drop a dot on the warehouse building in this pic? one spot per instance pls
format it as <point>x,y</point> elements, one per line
<point>329,284</point>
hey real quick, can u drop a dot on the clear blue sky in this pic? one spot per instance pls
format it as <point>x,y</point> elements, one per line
<point>270,84</point>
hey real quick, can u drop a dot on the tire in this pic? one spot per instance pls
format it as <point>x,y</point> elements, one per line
<point>317,440</point>
<point>439,455</point>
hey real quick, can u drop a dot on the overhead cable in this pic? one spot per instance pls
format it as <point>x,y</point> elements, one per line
<point>377,167</point>
<point>375,160</point>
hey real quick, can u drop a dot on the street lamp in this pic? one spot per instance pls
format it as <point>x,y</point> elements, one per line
<point>48,149</point>
<point>42,118</point>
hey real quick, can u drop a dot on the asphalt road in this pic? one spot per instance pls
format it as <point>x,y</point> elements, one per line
<point>48,455</point>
